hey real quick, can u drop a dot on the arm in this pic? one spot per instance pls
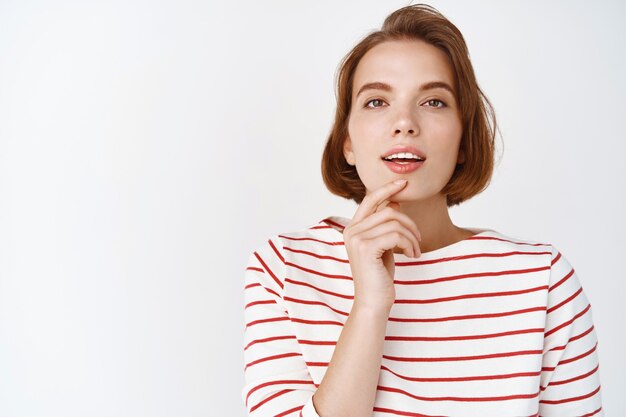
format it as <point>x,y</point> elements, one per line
<point>349,385</point>
<point>351,380</point>
<point>277,380</point>
<point>570,381</point>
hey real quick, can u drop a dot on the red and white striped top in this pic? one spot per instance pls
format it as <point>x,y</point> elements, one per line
<point>487,326</point>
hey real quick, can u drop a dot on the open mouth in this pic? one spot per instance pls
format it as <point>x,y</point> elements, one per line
<point>403,165</point>
<point>402,161</point>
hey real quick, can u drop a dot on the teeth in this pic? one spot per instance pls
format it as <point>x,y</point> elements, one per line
<point>403,155</point>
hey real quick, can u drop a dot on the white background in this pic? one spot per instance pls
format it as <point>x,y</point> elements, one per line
<point>147,148</point>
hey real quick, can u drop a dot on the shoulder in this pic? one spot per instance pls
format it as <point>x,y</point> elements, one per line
<point>317,240</point>
<point>326,232</point>
<point>490,239</point>
<point>556,257</point>
<point>553,259</point>
<point>510,252</point>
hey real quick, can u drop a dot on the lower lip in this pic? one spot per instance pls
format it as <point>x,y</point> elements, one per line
<point>403,168</point>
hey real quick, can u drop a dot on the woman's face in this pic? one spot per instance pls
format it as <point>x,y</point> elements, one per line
<point>396,103</point>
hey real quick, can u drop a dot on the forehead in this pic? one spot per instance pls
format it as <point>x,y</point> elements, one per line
<point>403,64</point>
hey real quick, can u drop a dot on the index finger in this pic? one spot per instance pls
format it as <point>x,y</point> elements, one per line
<point>371,201</point>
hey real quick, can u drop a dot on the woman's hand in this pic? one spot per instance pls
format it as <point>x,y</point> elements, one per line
<point>370,237</point>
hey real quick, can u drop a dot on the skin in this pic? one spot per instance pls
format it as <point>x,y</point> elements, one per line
<point>429,120</point>
<point>349,384</point>
<point>405,216</point>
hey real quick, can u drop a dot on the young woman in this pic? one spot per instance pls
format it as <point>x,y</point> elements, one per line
<point>397,311</point>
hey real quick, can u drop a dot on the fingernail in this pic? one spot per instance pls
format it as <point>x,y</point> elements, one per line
<point>399,181</point>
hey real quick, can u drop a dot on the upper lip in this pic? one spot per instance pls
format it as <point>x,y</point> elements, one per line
<point>400,148</point>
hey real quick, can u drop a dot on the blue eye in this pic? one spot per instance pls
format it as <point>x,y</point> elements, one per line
<point>438,101</point>
<point>372,101</point>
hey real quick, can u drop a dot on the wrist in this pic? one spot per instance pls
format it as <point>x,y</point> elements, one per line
<point>372,310</point>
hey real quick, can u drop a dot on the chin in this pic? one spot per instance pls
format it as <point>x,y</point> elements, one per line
<point>411,196</point>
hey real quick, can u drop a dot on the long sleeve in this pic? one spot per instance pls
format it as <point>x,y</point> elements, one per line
<point>570,380</point>
<point>277,380</point>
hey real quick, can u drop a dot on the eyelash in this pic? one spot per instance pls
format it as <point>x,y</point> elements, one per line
<point>432,99</point>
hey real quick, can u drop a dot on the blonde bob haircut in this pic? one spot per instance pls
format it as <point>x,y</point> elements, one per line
<point>425,23</point>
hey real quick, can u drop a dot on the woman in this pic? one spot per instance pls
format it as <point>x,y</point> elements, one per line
<point>397,311</point>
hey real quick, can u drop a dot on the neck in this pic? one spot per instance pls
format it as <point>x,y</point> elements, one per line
<point>433,221</point>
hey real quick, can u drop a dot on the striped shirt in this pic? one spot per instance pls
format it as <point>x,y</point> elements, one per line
<point>488,326</point>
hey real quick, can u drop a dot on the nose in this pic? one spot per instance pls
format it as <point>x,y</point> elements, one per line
<point>405,123</point>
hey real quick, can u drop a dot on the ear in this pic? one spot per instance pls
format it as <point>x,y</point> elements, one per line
<point>347,151</point>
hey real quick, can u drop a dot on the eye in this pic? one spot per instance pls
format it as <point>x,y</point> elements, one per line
<point>442,104</point>
<point>376,100</point>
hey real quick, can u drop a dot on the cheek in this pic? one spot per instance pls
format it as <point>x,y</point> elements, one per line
<point>445,124</point>
<point>446,139</point>
<point>362,135</point>
<point>357,126</point>
<point>447,129</point>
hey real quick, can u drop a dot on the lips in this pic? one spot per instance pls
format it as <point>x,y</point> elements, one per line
<point>403,148</point>
<point>403,168</point>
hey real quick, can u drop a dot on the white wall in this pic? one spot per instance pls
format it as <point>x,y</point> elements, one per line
<point>146,148</point>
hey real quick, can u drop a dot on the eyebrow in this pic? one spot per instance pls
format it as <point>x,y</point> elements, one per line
<point>386,87</point>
